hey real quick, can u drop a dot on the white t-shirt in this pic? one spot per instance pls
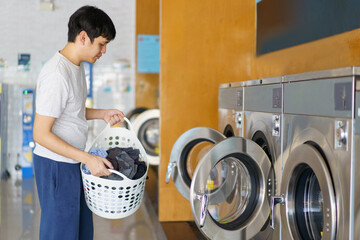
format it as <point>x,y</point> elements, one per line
<point>61,93</point>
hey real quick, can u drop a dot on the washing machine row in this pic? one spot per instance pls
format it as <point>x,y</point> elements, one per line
<point>146,127</point>
<point>282,164</point>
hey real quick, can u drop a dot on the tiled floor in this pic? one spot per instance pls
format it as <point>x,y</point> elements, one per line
<point>20,216</point>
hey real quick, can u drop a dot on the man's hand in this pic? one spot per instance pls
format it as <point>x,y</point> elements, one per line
<point>113,116</point>
<point>97,167</point>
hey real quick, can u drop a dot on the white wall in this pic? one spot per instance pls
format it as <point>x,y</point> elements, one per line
<point>26,29</point>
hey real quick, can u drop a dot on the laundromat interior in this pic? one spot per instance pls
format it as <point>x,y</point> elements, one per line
<point>248,114</point>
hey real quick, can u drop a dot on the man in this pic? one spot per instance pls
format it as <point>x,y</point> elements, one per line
<point>60,128</point>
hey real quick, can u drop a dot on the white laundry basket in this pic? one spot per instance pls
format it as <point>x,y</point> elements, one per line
<point>114,199</point>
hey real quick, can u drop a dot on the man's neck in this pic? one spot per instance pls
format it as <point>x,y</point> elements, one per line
<point>69,51</point>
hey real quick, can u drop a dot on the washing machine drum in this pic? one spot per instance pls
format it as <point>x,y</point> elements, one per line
<point>228,190</point>
<point>146,127</point>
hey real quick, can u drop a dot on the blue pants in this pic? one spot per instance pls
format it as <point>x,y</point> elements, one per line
<point>64,214</point>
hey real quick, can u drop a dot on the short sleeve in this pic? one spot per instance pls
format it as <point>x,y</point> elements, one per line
<point>52,93</point>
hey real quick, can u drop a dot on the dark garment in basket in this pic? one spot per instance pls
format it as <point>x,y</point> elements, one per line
<point>127,162</point>
<point>127,165</point>
<point>141,170</point>
<point>131,152</point>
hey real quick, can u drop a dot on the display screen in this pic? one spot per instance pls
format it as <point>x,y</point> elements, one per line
<point>286,23</point>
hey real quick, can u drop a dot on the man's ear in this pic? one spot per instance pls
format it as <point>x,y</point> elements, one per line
<point>82,37</point>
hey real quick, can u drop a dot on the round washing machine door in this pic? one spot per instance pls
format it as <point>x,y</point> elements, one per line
<point>133,114</point>
<point>186,153</point>
<point>310,203</point>
<point>146,128</point>
<point>228,193</point>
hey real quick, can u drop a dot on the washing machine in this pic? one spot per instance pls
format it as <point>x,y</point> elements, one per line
<point>232,186</point>
<point>194,143</point>
<point>146,128</point>
<point>318,195</point>
<point>230,109</point>
<point>262,124</point>
<point>135,112</point>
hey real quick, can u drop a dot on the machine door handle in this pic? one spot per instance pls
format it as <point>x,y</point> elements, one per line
<point>274,201</point>
<point>170,170</point>
<point>203,209</point>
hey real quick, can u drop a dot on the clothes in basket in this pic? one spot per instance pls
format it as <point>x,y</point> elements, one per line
<point>124,160</point>
<point>97,152</point>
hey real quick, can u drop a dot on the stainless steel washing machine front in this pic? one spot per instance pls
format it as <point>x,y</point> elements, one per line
<point>319,156</point>
<point>262,117</point>
<point>233,183</point>
<point>230,109</point>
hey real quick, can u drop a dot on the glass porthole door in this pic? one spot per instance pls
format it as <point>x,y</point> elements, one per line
<point>309,212</point>
<point>228,190</point>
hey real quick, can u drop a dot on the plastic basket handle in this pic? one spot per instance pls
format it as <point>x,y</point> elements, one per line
<point>125,119</point>
<point>131,128</point>
<point>118,173</point>
<point>129,124</point>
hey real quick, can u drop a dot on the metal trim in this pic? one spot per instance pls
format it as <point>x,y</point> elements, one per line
<point>330,73</point>
<point>230,85</point>
<point>262,81</point>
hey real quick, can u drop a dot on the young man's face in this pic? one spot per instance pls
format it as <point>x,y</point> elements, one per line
<point>96,49</point>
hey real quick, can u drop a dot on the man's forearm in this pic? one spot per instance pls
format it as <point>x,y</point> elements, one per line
<point>92,113</point>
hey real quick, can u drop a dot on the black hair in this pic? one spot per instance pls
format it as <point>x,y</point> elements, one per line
<point>94,21</point>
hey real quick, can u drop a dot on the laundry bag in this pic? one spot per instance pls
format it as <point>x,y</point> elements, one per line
<point>114,199</point>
